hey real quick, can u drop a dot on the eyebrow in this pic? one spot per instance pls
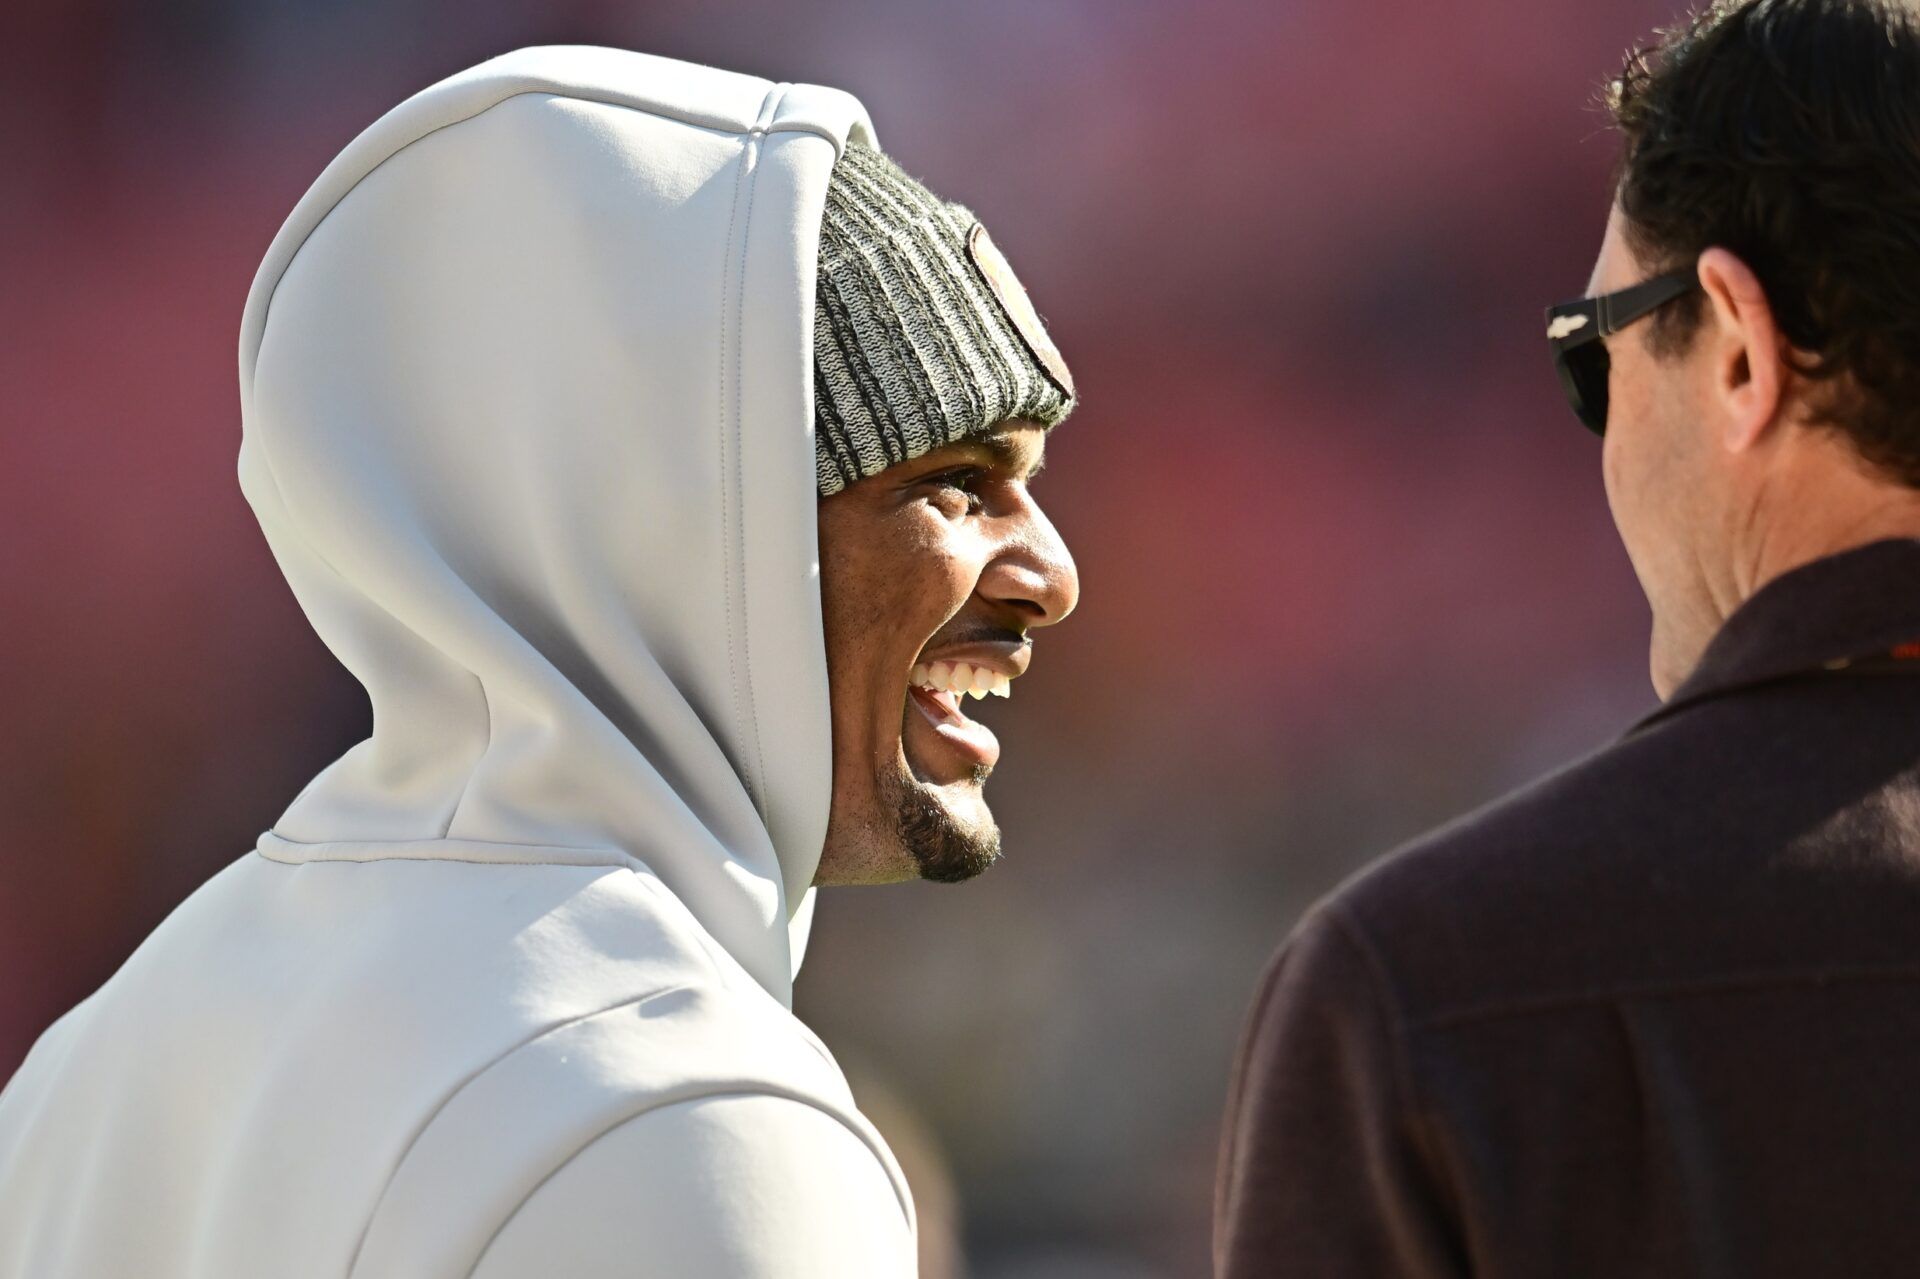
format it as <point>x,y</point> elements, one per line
<point>1006,455</point>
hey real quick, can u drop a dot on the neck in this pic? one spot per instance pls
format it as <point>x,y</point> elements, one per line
<point>1806,513</point>
<point>1815,499</point>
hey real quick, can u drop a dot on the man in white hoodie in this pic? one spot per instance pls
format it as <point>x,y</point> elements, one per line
<point>530,383</point>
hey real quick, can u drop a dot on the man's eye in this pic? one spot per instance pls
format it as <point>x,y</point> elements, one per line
<point>965,477</point>
<point>964,480</point>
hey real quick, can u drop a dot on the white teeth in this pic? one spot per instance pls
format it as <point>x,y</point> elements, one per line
<point>961,679</point>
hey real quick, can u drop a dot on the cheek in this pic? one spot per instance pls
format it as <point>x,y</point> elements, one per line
<point>930,577</point>
<point>1619,459</point>
<point>1651,460</point>
<point>885,591</point>
<point>1625,450</point>
<point>910,592</point>
<point>1616,450</point>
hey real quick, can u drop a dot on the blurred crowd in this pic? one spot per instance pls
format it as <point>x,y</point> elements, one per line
<point>1346,561</point>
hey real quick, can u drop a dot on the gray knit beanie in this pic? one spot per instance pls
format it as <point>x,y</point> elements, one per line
<point>922,335</point>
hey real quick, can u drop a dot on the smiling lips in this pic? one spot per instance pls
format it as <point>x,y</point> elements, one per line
<point>938,688</point>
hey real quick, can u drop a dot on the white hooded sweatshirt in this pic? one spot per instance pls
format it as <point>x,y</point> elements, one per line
<point>505,993</point>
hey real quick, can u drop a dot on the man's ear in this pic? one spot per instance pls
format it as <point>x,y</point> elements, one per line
<point>1746,352</point>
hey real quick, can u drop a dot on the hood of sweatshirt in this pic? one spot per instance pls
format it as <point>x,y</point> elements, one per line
<point>527,410</point>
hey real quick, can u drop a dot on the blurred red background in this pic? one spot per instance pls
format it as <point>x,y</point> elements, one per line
<point>1347,564</point>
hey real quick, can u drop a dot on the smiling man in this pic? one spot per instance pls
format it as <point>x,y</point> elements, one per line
<point>657,454</point>
<point>951,541</point>
<point>934,385</point>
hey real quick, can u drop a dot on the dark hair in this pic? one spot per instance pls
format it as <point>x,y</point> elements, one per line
<point>1788,132</point>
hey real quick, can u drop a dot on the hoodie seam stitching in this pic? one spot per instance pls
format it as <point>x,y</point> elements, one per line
<point>730,443</point>
<point>440,839</point>
<point>900,1200</point>
<point>739,651</point>
<point>452,861</point>
<point>768,111</point>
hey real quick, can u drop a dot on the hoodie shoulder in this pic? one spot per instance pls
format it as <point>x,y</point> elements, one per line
<point>747,1184</point>
<point>532,1113</point>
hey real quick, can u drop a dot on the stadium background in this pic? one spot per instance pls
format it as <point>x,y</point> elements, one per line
<point>1347,565</point>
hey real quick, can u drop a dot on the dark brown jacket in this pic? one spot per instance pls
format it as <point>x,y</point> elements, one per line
<point>1656,1015</point>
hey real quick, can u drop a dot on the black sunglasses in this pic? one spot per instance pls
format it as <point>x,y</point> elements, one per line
<point>1575,328</point>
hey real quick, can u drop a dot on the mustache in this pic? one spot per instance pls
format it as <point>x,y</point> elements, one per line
<point>977,633</point>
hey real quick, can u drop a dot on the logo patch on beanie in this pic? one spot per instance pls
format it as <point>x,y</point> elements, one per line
<point>1012,297</point>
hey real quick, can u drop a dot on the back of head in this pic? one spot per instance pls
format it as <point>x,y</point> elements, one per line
<point>1788,132</point>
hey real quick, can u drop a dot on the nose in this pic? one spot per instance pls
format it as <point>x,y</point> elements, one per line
<point>1033,573</point>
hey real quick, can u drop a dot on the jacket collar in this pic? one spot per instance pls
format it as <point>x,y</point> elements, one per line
<point>1859,604</point>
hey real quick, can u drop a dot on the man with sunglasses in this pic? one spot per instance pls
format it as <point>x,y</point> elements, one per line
<point>1659,1014</point>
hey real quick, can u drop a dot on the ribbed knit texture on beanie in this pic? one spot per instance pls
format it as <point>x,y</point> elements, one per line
<point>913,346</point>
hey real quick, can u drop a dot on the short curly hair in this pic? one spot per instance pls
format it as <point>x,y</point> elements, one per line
<point>1788,132</point>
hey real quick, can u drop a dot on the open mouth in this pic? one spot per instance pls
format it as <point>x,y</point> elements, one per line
<point>938,690</point>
